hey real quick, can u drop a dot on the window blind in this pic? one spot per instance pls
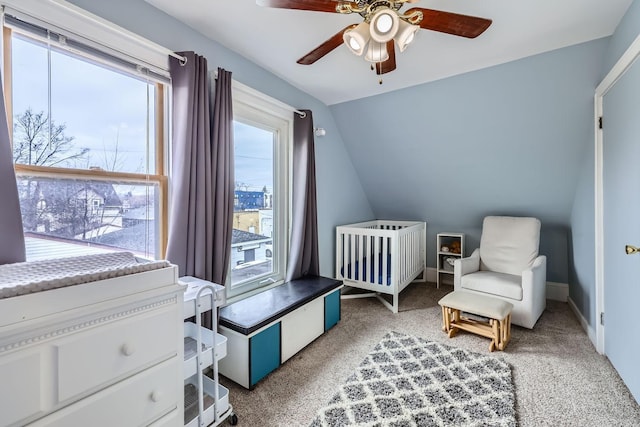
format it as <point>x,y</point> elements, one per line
<point>100,53</point>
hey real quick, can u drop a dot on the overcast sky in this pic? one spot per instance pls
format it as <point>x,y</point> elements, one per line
<point>254,156</point>
<point>113,113</point>
<point>98,117</point>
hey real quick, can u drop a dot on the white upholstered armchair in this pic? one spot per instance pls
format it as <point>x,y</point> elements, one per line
<point>507,266</point>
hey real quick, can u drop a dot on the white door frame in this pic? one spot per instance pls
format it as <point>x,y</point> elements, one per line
<point>626,60</point>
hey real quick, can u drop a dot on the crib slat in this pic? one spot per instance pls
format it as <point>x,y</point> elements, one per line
<point>402,258</point>
<point>351,257</point>
<point>376,259</point>
<point>370,259</point>
<point>394,249</point>
<point>416,251</point>
<point>385,255</point>
<point>341,267</point>
<point>414,255</point>
<point>362,256</point>
<point>408,256</point>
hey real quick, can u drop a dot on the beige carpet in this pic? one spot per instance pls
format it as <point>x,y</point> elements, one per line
<point>560,379</point>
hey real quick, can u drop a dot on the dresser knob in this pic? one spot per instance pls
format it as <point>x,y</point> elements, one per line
<point>155,396</point>
<point>127,349</point>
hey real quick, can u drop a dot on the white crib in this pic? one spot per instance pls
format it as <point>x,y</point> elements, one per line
<point>397,249</point>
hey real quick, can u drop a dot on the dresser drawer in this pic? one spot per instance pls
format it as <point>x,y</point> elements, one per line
<point>20,389</point>
<point>91,358</point>
<point>172,419</point>
<point>136,401</point>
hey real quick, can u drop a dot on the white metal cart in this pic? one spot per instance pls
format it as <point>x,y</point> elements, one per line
<point>206,402</point>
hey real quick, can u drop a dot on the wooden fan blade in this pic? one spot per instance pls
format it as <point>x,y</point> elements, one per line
<point>390,64</point>
<point>451,23</point>
<point>326,47</point>
<point>314,5</point>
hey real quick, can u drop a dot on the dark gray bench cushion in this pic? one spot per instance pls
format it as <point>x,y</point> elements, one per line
<point>250,314</point>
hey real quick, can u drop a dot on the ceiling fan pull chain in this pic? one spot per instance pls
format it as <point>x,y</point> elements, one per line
<point>378,66</point>
<point>373,68</point>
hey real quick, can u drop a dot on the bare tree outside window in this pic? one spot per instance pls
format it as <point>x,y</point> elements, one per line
<point>36,141</point>
<point>72,209</point>
<point>242,186</point>
<point>39,142</point>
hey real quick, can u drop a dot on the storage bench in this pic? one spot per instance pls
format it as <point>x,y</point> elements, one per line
<point>266,329</point>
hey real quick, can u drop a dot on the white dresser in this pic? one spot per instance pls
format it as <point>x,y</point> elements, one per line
<point>104,353</point>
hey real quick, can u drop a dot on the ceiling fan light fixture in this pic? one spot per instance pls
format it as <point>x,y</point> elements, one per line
<point>377,52</point>
<point>384,25</point>
<point>406,34</point>
<point>357,38</point>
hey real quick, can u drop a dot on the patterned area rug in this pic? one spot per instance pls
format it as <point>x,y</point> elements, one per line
<point>409,381</point>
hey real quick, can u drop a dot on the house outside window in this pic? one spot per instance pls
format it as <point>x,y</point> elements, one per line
<point>262,138</point>
<point>88,141</point>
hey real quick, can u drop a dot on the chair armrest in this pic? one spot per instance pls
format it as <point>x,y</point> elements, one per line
<point>464,266</point>
<point>534,283</point>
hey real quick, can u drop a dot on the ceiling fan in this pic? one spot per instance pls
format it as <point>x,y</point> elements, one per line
<point>383,26</point>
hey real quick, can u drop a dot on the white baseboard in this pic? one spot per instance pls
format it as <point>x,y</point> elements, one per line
<point>432,275</point>
<point>558,291</point>
<point>591,333</point>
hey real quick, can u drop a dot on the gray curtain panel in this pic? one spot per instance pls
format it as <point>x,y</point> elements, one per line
<point>12,248</point>
<point>201,212</point>
<point>223,174</point>
<point>190,244</point>
<point>303,255</point>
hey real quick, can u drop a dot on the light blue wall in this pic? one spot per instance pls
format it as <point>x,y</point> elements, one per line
<point>582,257</point>
<point>582,288</point>
<point>626,32</point>
<point>340,196</point>
<point>504,140</point>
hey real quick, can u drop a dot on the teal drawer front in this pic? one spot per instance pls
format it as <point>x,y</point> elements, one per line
<point>264,350</point>
<point>331,310</point>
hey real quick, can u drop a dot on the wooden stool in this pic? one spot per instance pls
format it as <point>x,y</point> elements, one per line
<point>498,328</point>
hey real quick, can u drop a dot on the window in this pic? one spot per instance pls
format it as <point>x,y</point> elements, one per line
<point>261,204</point>
<point>87,132</point>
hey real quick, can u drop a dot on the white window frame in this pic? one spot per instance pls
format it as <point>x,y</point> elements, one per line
<point>257,109</point>
<point>96,31</point>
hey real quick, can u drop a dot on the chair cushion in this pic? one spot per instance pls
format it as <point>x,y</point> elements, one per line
<point>491,282</point>
<point>477,304</point>
<point>509,244</point>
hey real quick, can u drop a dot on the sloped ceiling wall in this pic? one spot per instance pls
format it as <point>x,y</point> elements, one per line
<point>509,139</point>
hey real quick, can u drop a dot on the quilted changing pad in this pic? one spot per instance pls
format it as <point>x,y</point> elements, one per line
<point>35,276</point>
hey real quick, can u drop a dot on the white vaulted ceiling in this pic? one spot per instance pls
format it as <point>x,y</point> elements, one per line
<point>275,38</point>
